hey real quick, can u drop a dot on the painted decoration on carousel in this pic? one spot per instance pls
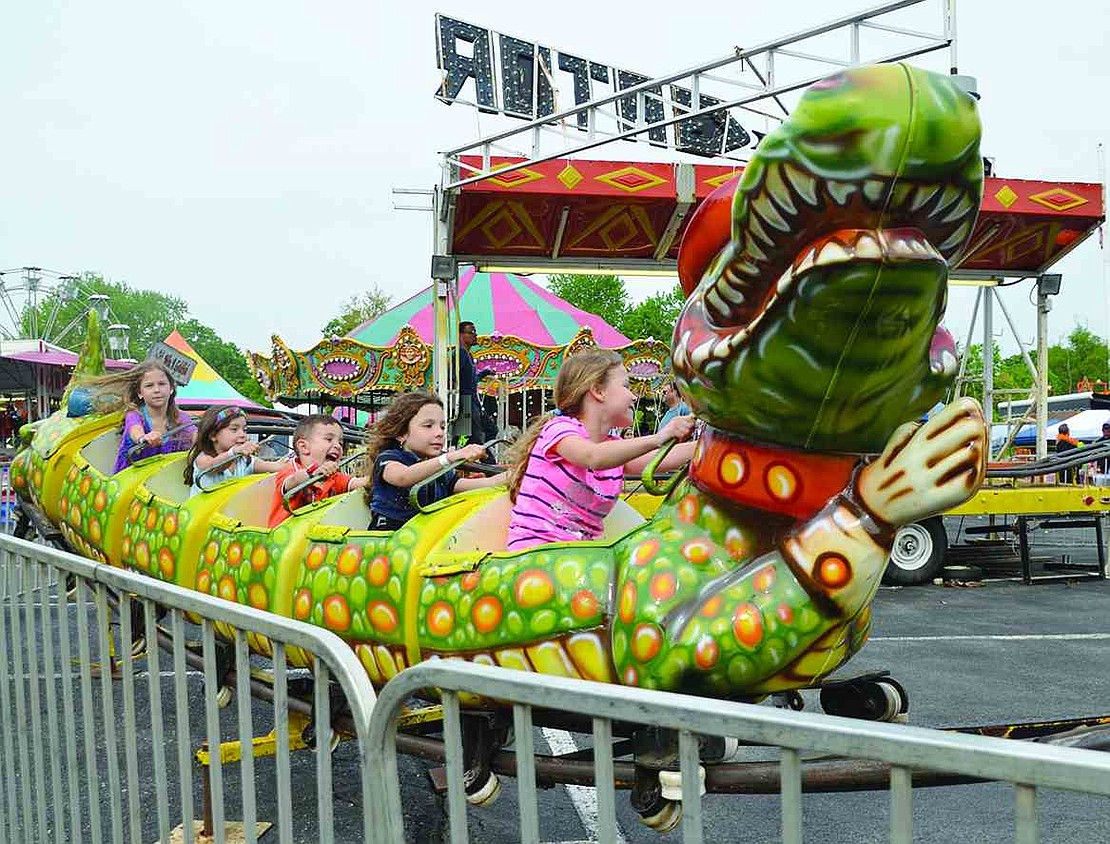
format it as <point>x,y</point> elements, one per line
<point>809,343</point>
<point>345,368</point>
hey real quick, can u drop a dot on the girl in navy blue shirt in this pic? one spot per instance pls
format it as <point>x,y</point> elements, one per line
<point>406,447</point>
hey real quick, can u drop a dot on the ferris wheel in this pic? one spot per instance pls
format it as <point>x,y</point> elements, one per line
<point>38,304</point>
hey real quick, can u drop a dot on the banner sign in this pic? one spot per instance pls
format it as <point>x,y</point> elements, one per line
<point>180,366</point>
<point>520,78</point>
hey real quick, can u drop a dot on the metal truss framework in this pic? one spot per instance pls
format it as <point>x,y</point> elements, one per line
<point>753,80</point>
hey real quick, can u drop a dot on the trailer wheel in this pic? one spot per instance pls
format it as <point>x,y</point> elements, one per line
<point>917,554</point>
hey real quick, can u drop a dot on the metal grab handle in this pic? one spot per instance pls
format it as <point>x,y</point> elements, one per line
<point>231,458</point>
<point>647,477</point>
<point>135,450</point>
<point>312,480</point>
<point>418,487</point>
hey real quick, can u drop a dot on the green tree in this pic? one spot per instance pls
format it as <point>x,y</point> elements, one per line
<point>607,297</point>
<point>151,316</point>
<point>357,310</point>
<point>654,317</point>
<point>602,295</point>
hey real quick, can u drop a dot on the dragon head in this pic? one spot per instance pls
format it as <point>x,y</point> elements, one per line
<point>813,320</point>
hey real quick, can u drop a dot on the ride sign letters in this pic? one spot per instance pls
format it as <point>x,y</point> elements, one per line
<point>180,366</point>
<point>519,79</point>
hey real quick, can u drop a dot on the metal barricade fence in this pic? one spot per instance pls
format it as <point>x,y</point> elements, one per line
<point>905,749</point>
<point>50,791</point>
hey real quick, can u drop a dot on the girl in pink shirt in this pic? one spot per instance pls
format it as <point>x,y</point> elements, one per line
<point>569,470</point>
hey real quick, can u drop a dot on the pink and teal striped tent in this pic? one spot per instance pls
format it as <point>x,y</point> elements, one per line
<point>497,303</point>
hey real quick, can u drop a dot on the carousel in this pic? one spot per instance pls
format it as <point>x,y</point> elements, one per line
<point>525,333</point>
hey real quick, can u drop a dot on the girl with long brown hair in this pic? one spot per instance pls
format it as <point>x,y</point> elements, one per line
<point>568,468</point>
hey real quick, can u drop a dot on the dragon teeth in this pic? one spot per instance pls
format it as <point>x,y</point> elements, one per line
<point>923,195</point>
<point>733,294</point>
<point>803,183</point>
<point>841,192</point>
<point>778,190</point>
<point>947,197</point>
<point>957,237</point>
<point>700,355</point>
<point>873,190</point>
<point>769,214</point>
<point>784,281</point>
<point>758,230</point>
<point>806,262</point>
<point>867,247</point>
<point>832,253</point>
<point>959,210</point>
<point>901,193</point>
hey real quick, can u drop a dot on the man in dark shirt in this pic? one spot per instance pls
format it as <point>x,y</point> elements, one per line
<point>1104,462</point>
<point>469,423</point>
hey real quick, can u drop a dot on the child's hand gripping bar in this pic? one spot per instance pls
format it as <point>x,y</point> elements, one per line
<point>231,458</point>
<point>314,479</point>
<point>415,490</point>
<point>136,450</point>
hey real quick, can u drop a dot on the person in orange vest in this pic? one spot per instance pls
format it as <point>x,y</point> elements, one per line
<point>1066,442</point>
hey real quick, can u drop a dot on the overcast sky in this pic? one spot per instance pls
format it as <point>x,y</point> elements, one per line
<point>242,155</point>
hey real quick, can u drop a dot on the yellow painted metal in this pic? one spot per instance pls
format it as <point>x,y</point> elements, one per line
<point>1034,500</point>
<point>232,751</point>
<point>422,715</point>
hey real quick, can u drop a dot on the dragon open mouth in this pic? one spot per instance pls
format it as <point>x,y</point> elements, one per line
<point>849,247</point>
<point>767,223</point>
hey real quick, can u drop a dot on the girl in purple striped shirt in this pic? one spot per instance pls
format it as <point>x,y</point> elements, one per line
<point>569,468</point>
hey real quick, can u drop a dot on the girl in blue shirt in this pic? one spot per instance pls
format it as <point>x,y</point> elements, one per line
<point>406,447</point>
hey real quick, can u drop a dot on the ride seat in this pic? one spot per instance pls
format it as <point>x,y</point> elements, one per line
<point>169,483</point>
<point>101,452</point>
<point>251,505</point>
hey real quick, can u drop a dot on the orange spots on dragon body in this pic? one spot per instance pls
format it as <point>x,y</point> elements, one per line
<point>441,619</point>
<point>316,556</point>
<point>169,523</point>
<point>647,639</point>
<point>534,588</point>
<point>698,551</point>
<point>350,558</point>
<point>688,509</point>
<point>302,604</point>
<point>486,614</point>
<point>257,597</point>
<point>712,607</point>
<point>626,606</point>
<point>379,570</point>
<point>833,570</point>
<point>234,554</point>
<point>584,605</point>
<point>337,613</point>
<point>204,581</point>
<point>259,558</point>
<point>469,581</point>
<point>226,588</point>
<point>706,653</point>
<point>383,616</point>
<point>747,625</point>
<point>764,580</point>
<point>645,552</point>
<point>663,586</point>
<point>733,469</point>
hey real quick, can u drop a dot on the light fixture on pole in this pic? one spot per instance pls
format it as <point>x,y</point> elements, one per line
<point>119,338</point>
<point>1048,284</point>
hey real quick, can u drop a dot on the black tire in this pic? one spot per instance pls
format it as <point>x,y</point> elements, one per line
<point>962,574</point>
<point>917,555</point>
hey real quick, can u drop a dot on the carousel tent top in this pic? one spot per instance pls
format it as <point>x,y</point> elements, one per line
<point>206,386</point>
<point>497,303</point>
